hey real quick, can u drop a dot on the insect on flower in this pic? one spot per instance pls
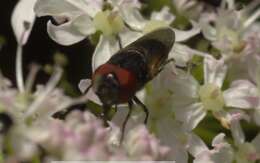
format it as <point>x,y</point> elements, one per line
<point>116,81</point>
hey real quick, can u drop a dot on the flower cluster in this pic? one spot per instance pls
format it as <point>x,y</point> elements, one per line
<point>221,85</point>
<point>30,132</point>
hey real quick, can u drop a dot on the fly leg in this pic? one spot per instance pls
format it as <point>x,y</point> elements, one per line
<point>184,68</point>
<point>130,104</point>
<point>115,109</point>
<point>146,111</point>
<point>119,41</point>
<point>172,60</point>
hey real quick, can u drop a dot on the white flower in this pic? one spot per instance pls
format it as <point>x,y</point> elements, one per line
<point>82,136</point>
<point>221,152</point>
<point>228,33</point>
<point>246,152</point>
<point>192,101</point>
<point>78,19</point>
<point>74,18</point>
<point>144,146</point>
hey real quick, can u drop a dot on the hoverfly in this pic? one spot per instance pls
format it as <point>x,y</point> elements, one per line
<point>126,72</point>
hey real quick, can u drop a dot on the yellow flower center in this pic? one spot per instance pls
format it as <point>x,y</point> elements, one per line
<point>211,97</point>
<point>109,23</point>
<point>237,45</point>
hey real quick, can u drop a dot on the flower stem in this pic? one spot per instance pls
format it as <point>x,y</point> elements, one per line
<point>252,19</point>
<point>19,68</point>
<point>55,78</point>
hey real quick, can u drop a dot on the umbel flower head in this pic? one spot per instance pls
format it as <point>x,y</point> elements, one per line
<point>227,27</point>
<point>81,136</point>
<point>178,101</point>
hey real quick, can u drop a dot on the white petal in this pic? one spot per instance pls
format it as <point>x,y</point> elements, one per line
<point>106,47</point>
<point>127,36</point>
<point>236,114</point>
<point>141,95</point>
<point>84,84</point>
<point>223,155</point>
<point>181,36</point>
<point>256,142</point>
<point>73,26</point>
<point>64,34</point>
<point>237,132</point>
<point>214,71</point>
<point>163,15</point>
<point>256,116</point>
<point>242,94</point>
<point>185,86</point>
<point>58,7</point>
<point>190,115</point>
<point>135,119</point>
<point>203,158</point>
<point>115,134</point>
<point>91,7</point>
<point>219,139</point>
<point>130,12</point>
<point>170,132</point>
<point>231,4</point>
<point>208,30</point>
<point>91,95</point>
<point>133,18</point>
<point>22,20</point>
<point>196,145</point>
<point>84,25</point>
<point>182,54</point>
<point>253,65</point>
<point>53,8</point>
<point>129,3</point>
<point>222,152</point>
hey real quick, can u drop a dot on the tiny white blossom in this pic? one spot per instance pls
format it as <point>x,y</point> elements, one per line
<point>246,152</point>
<point>209,97</point>
<point>228,32</point>
<point>221,152</point>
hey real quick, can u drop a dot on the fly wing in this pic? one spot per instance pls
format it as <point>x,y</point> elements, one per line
<point>165,36</point>
<point>154,47</point>
<point>145,56</point>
